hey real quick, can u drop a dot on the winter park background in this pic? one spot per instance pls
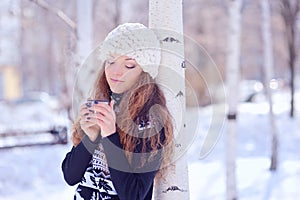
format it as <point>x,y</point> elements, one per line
<point>41,52</point>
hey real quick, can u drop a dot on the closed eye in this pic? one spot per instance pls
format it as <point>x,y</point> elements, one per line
<point>130,66</point>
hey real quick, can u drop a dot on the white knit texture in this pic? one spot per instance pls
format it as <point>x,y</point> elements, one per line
<point>135,41</point>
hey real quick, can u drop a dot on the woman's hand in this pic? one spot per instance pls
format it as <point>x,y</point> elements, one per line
<point>88,124</point>
<point>105,118</point>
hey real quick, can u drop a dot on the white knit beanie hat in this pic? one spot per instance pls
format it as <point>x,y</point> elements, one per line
<point>135,41</point>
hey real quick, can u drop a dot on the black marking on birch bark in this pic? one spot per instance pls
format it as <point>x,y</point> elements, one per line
<point>177,145</point>
<point>174,188</point>
<point>231,116</point>
<point>171,40</point>
<point>180,93</point>
<point>183,64</point>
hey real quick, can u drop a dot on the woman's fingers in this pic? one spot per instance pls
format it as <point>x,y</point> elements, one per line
<point>111,104</point>
<point>85,117</point>
<point>84,110</point>
<point>100,114</point>
<point>95,113</point>
<point>104,111</point>
<point>101,110</point>
<point>101,119</point>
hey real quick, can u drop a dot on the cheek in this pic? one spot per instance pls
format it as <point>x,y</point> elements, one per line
<point>133,81</point>
<point>106,75</point>
<point>136,78</point>
<point>106,70</point>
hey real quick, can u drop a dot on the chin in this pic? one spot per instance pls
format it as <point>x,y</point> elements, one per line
<point>117,91</point>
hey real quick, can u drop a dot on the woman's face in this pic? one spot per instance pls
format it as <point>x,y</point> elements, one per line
<point>121,73</point>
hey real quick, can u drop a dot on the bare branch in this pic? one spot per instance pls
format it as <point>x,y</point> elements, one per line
<point>56,11</point>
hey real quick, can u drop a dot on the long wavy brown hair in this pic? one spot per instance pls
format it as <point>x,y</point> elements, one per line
<point>144,102</point>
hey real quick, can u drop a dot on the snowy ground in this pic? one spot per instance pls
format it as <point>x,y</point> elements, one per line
<point>254,180</point>
<point>34,172</point>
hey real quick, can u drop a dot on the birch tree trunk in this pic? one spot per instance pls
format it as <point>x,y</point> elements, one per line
<point>232,75</point>
<point>268,73</point>
<point>289,12</point>
<point>165,17</point>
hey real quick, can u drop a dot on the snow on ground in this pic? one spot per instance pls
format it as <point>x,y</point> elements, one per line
<point>254,180</point>
<point>35,172</point>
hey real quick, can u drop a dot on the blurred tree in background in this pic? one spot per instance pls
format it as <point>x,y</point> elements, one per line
<point>39,47</point>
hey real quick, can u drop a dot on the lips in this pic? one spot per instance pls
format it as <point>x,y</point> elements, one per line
<point>116,80</point>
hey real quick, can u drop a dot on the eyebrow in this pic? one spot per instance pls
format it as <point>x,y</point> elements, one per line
<point>129,59</point>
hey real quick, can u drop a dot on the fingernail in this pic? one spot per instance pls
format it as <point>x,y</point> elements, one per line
<point>88,105</point>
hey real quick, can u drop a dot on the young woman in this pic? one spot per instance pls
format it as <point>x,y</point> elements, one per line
<point>120,147</point>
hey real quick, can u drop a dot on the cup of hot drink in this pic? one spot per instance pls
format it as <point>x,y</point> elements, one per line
<point>91,102</point>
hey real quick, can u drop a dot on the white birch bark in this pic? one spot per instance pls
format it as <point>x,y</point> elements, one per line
<point>268,73</point>
<point>166,18</point>
<point>232,75</point>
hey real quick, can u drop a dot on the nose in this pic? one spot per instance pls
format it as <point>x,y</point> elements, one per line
<point>118,68</point>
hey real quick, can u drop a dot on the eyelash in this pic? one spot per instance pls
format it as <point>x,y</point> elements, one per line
<point>128,67</point>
